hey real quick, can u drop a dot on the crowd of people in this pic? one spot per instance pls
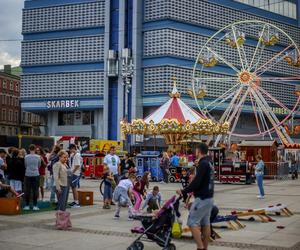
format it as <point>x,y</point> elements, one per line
<point>30,172</point>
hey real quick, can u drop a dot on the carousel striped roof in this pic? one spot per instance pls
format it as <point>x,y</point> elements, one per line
<point>174,108</point>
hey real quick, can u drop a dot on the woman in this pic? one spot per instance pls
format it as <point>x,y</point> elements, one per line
<point>16,171</point>
<point>53,158</point>
<point>164,165</point>
<point>139,190</point>
<point>127,165</point>
<point>60,174</point>
<point>259,174</point>
<point>42,170</point>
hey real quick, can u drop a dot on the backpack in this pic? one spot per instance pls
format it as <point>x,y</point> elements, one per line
<point>53,159</point>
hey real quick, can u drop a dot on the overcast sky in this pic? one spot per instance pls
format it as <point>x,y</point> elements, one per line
<point>10,29</point>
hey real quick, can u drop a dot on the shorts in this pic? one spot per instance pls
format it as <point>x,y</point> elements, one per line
<point>107,192</point>
<point>16,185</point>
<point>121,197</point>
<point>200,211</point>
<point>3,193</point>
<point>74,183</point>
<point>42,180</point>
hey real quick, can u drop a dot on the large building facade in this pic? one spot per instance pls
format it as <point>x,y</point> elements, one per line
<point>72,56</point>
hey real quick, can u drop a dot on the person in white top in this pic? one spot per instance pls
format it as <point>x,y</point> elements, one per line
<point>75,162</point>
<point>123,194</point>
<point>112,161</point>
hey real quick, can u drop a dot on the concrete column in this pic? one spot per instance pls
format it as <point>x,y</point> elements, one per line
<point>106,82</point>
<point>137,80</point>
<point>98,123</point>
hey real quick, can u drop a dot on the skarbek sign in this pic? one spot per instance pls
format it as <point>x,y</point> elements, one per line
<point>58,104</point>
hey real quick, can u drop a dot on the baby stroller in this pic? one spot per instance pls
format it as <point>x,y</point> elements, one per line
<point>158,229</point>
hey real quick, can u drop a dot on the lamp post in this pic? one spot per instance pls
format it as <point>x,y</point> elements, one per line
<point>127,71</point>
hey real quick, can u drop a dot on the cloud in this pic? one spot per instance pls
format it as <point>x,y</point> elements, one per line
<point>6,58</point>
<point>10,29</point>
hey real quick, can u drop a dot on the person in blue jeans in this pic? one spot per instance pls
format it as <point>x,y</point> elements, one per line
<point>259,174</point>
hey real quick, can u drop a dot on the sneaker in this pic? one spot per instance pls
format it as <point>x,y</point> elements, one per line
<point>26,208</point>
<point>72,204</point>
<point>260,197</point>
<point>130,218</point>
<point>116,217</point>
<point>35,208</point>
<point>162,182</point>
<point>75,206</point>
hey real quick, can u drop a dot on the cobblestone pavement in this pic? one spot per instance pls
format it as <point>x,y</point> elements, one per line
<point>94,228</point>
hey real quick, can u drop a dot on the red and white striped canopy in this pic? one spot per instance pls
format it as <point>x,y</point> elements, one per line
<point>175,108</point>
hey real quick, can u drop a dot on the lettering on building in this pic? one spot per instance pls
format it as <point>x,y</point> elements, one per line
<point>63,104</point>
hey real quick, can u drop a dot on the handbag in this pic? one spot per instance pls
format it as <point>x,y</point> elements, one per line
<point>176,229</point>
<point>63,221</point>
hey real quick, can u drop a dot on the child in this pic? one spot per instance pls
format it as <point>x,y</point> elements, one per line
<point>153,200</point>
<point>139,190</point>
<point>191,176</point>
<point>108,187</point>
<point>123,194</point>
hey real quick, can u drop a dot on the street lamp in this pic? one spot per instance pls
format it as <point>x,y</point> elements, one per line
<point>127,71</point>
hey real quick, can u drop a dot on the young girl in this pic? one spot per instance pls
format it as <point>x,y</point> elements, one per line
<point>191,176</point>
<point>123,194</point>
<point>108,187</point>
<point>139,190</point>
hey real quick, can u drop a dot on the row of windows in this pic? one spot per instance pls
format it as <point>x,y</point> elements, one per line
<point>188,45</point>
<point>9,100</point>
<point>64,17</point>
<point>75,118</point>
<point>9,115</point>
<point>285,8</point>
<point>9,131</point>
<point>82,49</point>
<point>206,14</point>
<point>9,85</point>
<point>159,80</point>
<point>62,84</point>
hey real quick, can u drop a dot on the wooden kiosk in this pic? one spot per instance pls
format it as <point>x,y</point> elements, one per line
<point>268,151</point>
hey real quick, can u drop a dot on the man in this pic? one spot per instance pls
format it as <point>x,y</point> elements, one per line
<point>112,161</point>
<point>75,162</point>
<point>3,165</point>
<point>202,187</point>
<point>175,160</point>
<point>32,178</point>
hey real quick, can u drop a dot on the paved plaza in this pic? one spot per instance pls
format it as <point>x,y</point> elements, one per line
<point>94,228</point>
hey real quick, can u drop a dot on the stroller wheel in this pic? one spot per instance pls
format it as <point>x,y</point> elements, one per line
<point>170,247</point>
<point>132,247</point>
<point>139,245</point>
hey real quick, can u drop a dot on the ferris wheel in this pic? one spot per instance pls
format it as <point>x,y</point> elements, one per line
<point>257,75</point>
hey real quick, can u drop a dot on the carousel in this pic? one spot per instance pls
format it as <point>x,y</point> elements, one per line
<point>175,121</point>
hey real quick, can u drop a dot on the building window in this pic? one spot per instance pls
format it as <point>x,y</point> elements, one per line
<point>16,116</point>
<point>3,115</point>
<point>11,86</point>
<point>3,99</point>
<point>65,118</point>
<point>4,84</point>
<point>10,116</point>
<point>86,117</point>
<point>17,87</point>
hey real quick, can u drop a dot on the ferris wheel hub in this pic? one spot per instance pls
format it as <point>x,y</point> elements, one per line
<point>246,77</point>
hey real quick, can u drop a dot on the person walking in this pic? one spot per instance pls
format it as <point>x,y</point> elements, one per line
<point>61,171</point>
<point>112,161</point>
<point>259,174</point>
<point>31,182</point>
<point>202,187</point>
<point>164,165</point>
<point>127,165</point>
<point>75,163</point>
<point>3,164</point>
<point>16,171</point>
